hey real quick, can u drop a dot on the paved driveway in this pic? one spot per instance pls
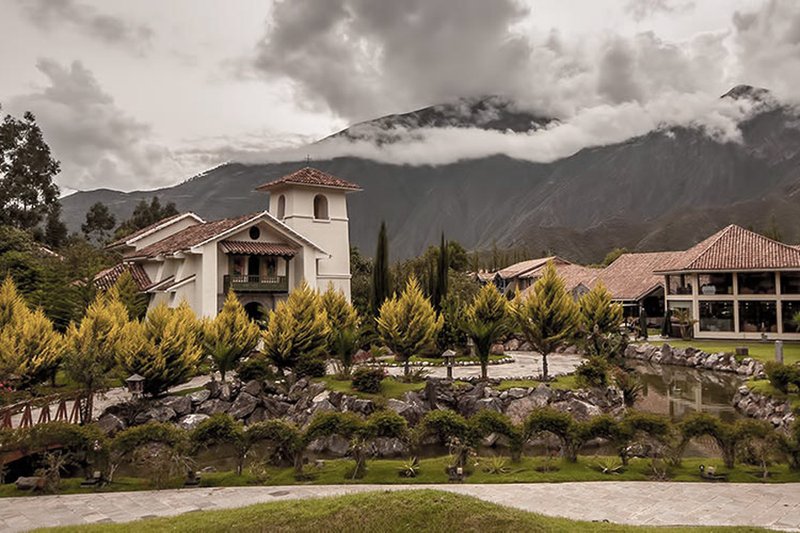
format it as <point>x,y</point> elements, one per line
<point>639,503</point>
<point>525,364</point>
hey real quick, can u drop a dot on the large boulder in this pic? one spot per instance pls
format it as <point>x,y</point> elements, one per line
<point>212,407</point>
<point>273,407</point>
<point>198,397</point>
<point>579,409</point>
<point>189,422</point>
<point>157,414</point>
<point>30,483</point>
<point>253,387</point>
<point>386,447</point>
<point>335,445</point>
<point>182,405</point>
<point>110,424</point>
<point>243,405</point>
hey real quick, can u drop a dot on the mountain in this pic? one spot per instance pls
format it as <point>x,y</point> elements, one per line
<point>663,190</point>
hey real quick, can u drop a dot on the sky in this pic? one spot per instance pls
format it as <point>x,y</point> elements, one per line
<point>140,95</point>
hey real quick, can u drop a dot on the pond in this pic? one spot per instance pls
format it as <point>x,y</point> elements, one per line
<point>676,391</point>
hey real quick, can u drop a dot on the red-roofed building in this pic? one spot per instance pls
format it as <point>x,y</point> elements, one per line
<point>304,235</point>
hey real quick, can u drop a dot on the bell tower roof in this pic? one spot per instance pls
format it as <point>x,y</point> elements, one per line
<point>310,177</point>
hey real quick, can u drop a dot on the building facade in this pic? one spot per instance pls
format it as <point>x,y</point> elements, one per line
<point>302,236</point>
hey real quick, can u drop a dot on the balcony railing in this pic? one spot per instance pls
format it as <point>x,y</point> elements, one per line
<point>256,283</point>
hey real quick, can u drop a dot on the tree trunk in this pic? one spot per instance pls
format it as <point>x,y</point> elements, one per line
<point>544,367</point>
<point>406,369</point>
<point>484,370</point>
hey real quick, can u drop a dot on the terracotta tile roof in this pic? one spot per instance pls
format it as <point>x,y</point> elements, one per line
<point>573,275</point>
<point>144,230</point>
<point>310,176</point>
<point>258,248</point>
<point>735,248</point>
<point>106,279</point>
<point>523,267</point>
<point>188,237</point>
<point>632,276</point>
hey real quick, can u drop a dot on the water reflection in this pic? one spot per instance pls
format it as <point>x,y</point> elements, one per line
<point>676,391</point>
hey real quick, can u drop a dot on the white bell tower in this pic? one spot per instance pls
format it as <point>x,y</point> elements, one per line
<point>314,204</point>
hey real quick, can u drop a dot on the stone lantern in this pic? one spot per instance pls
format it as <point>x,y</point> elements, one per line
<point>135,385</point>
<point>449,357</point>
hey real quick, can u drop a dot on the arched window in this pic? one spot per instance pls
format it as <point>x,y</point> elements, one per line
<point>281,207</point>
<point>320,207</point>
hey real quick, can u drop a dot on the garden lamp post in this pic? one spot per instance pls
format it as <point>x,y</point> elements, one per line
<point>135,385</point>
<point>449,357</point>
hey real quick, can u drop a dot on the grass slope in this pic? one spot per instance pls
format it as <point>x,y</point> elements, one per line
<point>762,351</point>
<point>402,511</point>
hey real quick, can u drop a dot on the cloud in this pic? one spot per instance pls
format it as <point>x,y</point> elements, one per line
<point>54,14</point>
<point>358,57</point>
<point>96,142</point>
<point>642,9</point>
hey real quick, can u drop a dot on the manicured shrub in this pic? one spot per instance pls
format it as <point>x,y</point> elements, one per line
<point>284,439</point>
<point>368,379</point>
<point>782,376</point>
<point>255,367</point>
<point>593,372</point>
<point>443,425</point>
<point>386,424</point>
<point>570,433</point>
<point>221,429</point>
<point>309,367</point>
<point>486,422</point>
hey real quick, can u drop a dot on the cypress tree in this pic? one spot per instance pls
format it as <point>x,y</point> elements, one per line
<point>442,265</point>
<point>381,282</point>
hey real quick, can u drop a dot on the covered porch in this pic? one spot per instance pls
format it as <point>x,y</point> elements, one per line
<point>257,266</point>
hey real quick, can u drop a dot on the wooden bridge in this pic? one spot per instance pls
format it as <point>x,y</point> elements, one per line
<point>38,411</point>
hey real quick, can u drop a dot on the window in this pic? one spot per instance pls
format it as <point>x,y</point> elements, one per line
<point>715,283</point>
<point>281,207</point>
<point>716,316</point>
<point>788,312</point>
<point>320,207</point>
<point>679,284</point>
<point>238,265</point>
<point>757,283</point>
<point>758,317</point>
<point>255,233</point>
<point>790,282</point>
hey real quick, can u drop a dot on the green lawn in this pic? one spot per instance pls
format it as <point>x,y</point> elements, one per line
<point>763,351</point>
<point>401,511</point>
<point>534,469</point>
<point>390,387</point>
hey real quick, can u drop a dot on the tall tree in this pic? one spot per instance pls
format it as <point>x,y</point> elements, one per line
<point>55,231</point>
<point>344,324</point>
<point>486,322</point>
<point>230,336</point>
<point>99,222</point>
<point>381,281</point>
<point>408,323</point>
<point>144,215</point>
<point>547,316</point>
<point>27,191</point>
<point>601,322</point>
<point>442,269</point>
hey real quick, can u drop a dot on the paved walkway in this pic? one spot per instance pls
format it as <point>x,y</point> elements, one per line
<point>525,364</point>
<point>640,503</point>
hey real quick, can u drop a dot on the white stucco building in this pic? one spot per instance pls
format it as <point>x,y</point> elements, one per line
<point>304,235</point>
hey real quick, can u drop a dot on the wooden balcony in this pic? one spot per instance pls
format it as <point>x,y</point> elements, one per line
<point>256,283</point>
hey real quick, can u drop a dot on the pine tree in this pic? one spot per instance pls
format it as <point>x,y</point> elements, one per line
<point>600,322</point>
<point>442,267</point>
<point>230,336</point>
<point>27,191</point>
<point>548,316</point>
<point>30,348</point>
<point>407,323</point>
<point>130,296</point>
<point>381,281</point>
<point>486,321</point>
<point>164,348</point>
<point>55,231</point>
<point>344,322</point>
<point>91,347</point>
<point>298,329</point>
<point>99,222</point>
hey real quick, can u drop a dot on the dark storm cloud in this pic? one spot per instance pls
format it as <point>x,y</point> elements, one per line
<point>360,57</point>
<point>53,14</point>
<point>98,144</point>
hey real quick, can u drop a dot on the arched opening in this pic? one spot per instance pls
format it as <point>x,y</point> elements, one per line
<point>320,207</point>
<point>281,207</point>
<point>255,311</point>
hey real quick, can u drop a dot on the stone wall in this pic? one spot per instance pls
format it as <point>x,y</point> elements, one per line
<point>256,401</point>
<point>757,405</point>
<point>691,357</point>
